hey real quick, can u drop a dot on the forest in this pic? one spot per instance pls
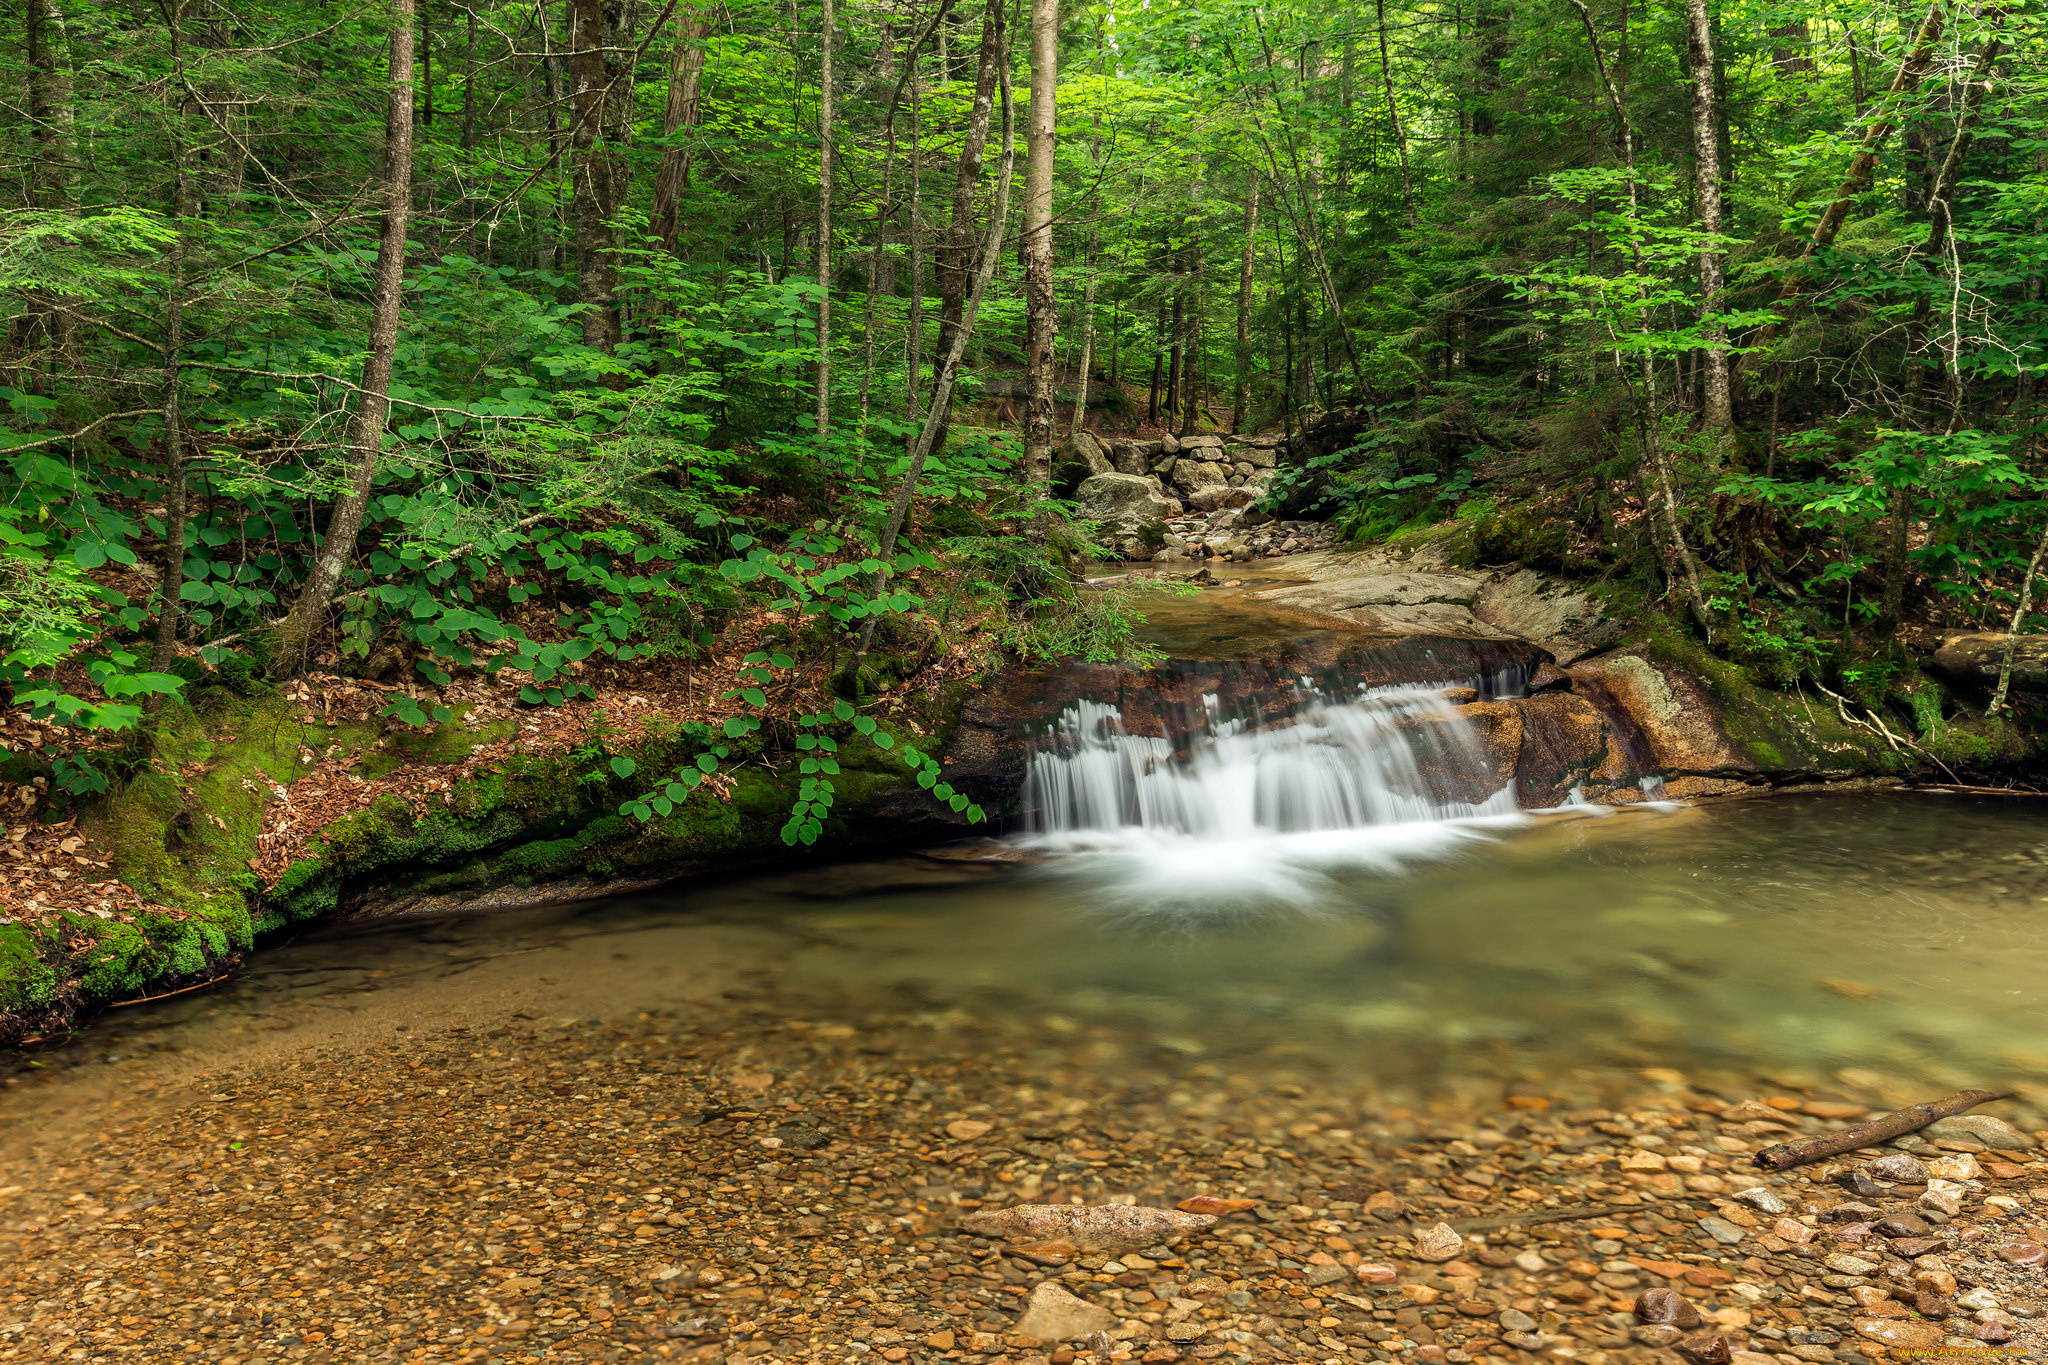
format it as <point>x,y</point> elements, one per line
<point>439,350</point>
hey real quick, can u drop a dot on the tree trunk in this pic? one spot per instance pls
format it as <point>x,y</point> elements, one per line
<point>600,106</point>
<point>1041,317</point>
<point>685,84</point>
<point>824,388</point>
<point>1717,410</point>
<point>366,431</point>
<point>171,592</point>
<point>1394,116</point>
<point>1875,134</point>
<point>947,371</point>
<point>44,330</point>
<point>957,260</point>
<point>1666,497</point>
<point>1240,396</point>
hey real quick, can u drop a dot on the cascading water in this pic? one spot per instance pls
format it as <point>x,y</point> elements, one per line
<point>1250,808</point>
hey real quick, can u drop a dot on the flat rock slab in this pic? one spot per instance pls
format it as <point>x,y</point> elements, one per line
<point>1376,590</point>
<point>1429,618</point>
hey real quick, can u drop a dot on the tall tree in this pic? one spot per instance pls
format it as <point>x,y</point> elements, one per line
<point>1240,397</point>
<point>373,401</point>
<point>1040,314</point>
<point>956,262</point>
<point>823,412</point>
<point>1717,412</point>
<point>679,117</point>
<point>601,122</point>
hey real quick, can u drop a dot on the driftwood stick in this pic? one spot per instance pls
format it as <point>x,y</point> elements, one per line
<point>1786,1155</point>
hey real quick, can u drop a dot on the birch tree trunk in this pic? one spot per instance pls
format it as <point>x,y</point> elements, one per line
<point>1041,318</point>
<point>1717,412</point>
<point>366,430</point>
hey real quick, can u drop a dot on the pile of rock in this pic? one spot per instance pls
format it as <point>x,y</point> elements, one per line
<point>1183,497</point>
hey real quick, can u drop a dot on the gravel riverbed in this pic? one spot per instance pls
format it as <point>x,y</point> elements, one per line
<point>725,1181</point>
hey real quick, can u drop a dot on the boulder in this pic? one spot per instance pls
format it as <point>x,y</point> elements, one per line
<point>1673,717</point>
<point>1564,742</point>
<point>1129,507</point>
<point>1162,465</point>
<point>1192,474</point>
<point>1257,456</point>
<point>1215,496</point>
<point>1078,459</point>
<point>1169,444</point>
<point>1203,441</point>
<point>1976,659</point>
<point>1129,457</point>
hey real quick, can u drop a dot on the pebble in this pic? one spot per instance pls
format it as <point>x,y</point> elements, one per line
<point>1514,1320</point>
<point>1902,1225</point>
<point>1899,1332</point>
<point>1764,1199</point>
<point>1792,1230</point>
<point>2023,1253</point>
<point>1655,1334</point>
<point>1721,1230</point>
<point>1900,1167</point>
<point>1844,1264</point>
<point>1054,1314</point>
<point>1705,1350</point>
<point>1439,1242</point>
<point>1985,1128</point>
<point>1963,1167</point>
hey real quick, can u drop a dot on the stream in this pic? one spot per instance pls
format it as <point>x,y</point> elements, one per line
<point>1325,880</point>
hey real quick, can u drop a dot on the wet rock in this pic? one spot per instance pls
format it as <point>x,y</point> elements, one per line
<point>1764,1199</point>
<point>966,1130</point>
<point>1994,1332</point>
<point>1939,1201</point>
<point>1126,505</point>
<point>1792,1230</point>
<point>1959,1167</point>
<point>1564,742</point>
<point>1214,1204</point>
<point>1046,1253</point>
<point>1977,1301</point>
<point>1899,1332</point>
<point>1721,1230</point>
<point>1655,1334</point>
<point>1977,658</point>
<point>1438,1243</point>
<point>1053,1314</point>
<point>1666,1306</point>
<point>1984,1128</point>
<point>1106,1227</point>
<point>1898,1168</point>
<point>1857,1180</point>
<point>1901,1225</point>
<point>1844,1264</point>
<point>2023,1253</point>
<point>1851,1213</point>
<point>1705,1349</point>
<point>1516,1321</point>
<point>1369,1273</point>
<point>1916,1246</point>
<point>1933,1306</point>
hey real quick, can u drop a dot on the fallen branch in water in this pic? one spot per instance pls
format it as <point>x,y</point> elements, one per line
<point>1786,1155</point>
<point>1877,726</point>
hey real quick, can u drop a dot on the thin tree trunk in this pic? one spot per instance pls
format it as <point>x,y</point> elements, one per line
<point>1240,397</point>
<point>2012,629</point>
<point>1941,193</point>
<point>44,329</point>
<point>366,431</point>
<point>1394,116</point>
<point>957,261</point>
<point>1853,183</point>
<point>171,592</point>
<point>685,84</point>
<point>1660,459</point>
<point>913,331</point>
<point>1087,362</point>
<point>1041,316</point>
<point>1717,411</point>
<point>824,388</point>
<point>948,369</point>
<point>600,109</point>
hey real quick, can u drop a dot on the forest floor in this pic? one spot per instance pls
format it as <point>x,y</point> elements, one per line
<point>749,1176</point>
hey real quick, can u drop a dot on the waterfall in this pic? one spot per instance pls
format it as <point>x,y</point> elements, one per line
<point>1380,756</point>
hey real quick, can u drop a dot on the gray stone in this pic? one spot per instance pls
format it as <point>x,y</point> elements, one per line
<point>1766,1200</point>
<point>1900,1167</point>
<point>1721,1230</point>
<point>1191,474</point>
<point>1515,1321</point>
<point>1169,444</point>
<point>1984,1128</point>
<point>1257,456</point>
<point>1052,1314</point>
<point>1127,507</point>
<point>1842,1263</point>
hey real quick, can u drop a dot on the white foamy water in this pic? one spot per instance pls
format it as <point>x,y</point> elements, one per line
<point>1239,813</point>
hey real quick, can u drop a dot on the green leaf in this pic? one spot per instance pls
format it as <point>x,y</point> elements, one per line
<point>735,726</point>
<point>707,763</point>
<point>843,710</point>
<point>884,740</point>
<point>623,766</point>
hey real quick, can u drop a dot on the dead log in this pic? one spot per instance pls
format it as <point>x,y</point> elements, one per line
<point>1786,1155</point>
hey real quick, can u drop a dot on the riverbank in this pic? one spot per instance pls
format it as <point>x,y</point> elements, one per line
<point>751,1172</point>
